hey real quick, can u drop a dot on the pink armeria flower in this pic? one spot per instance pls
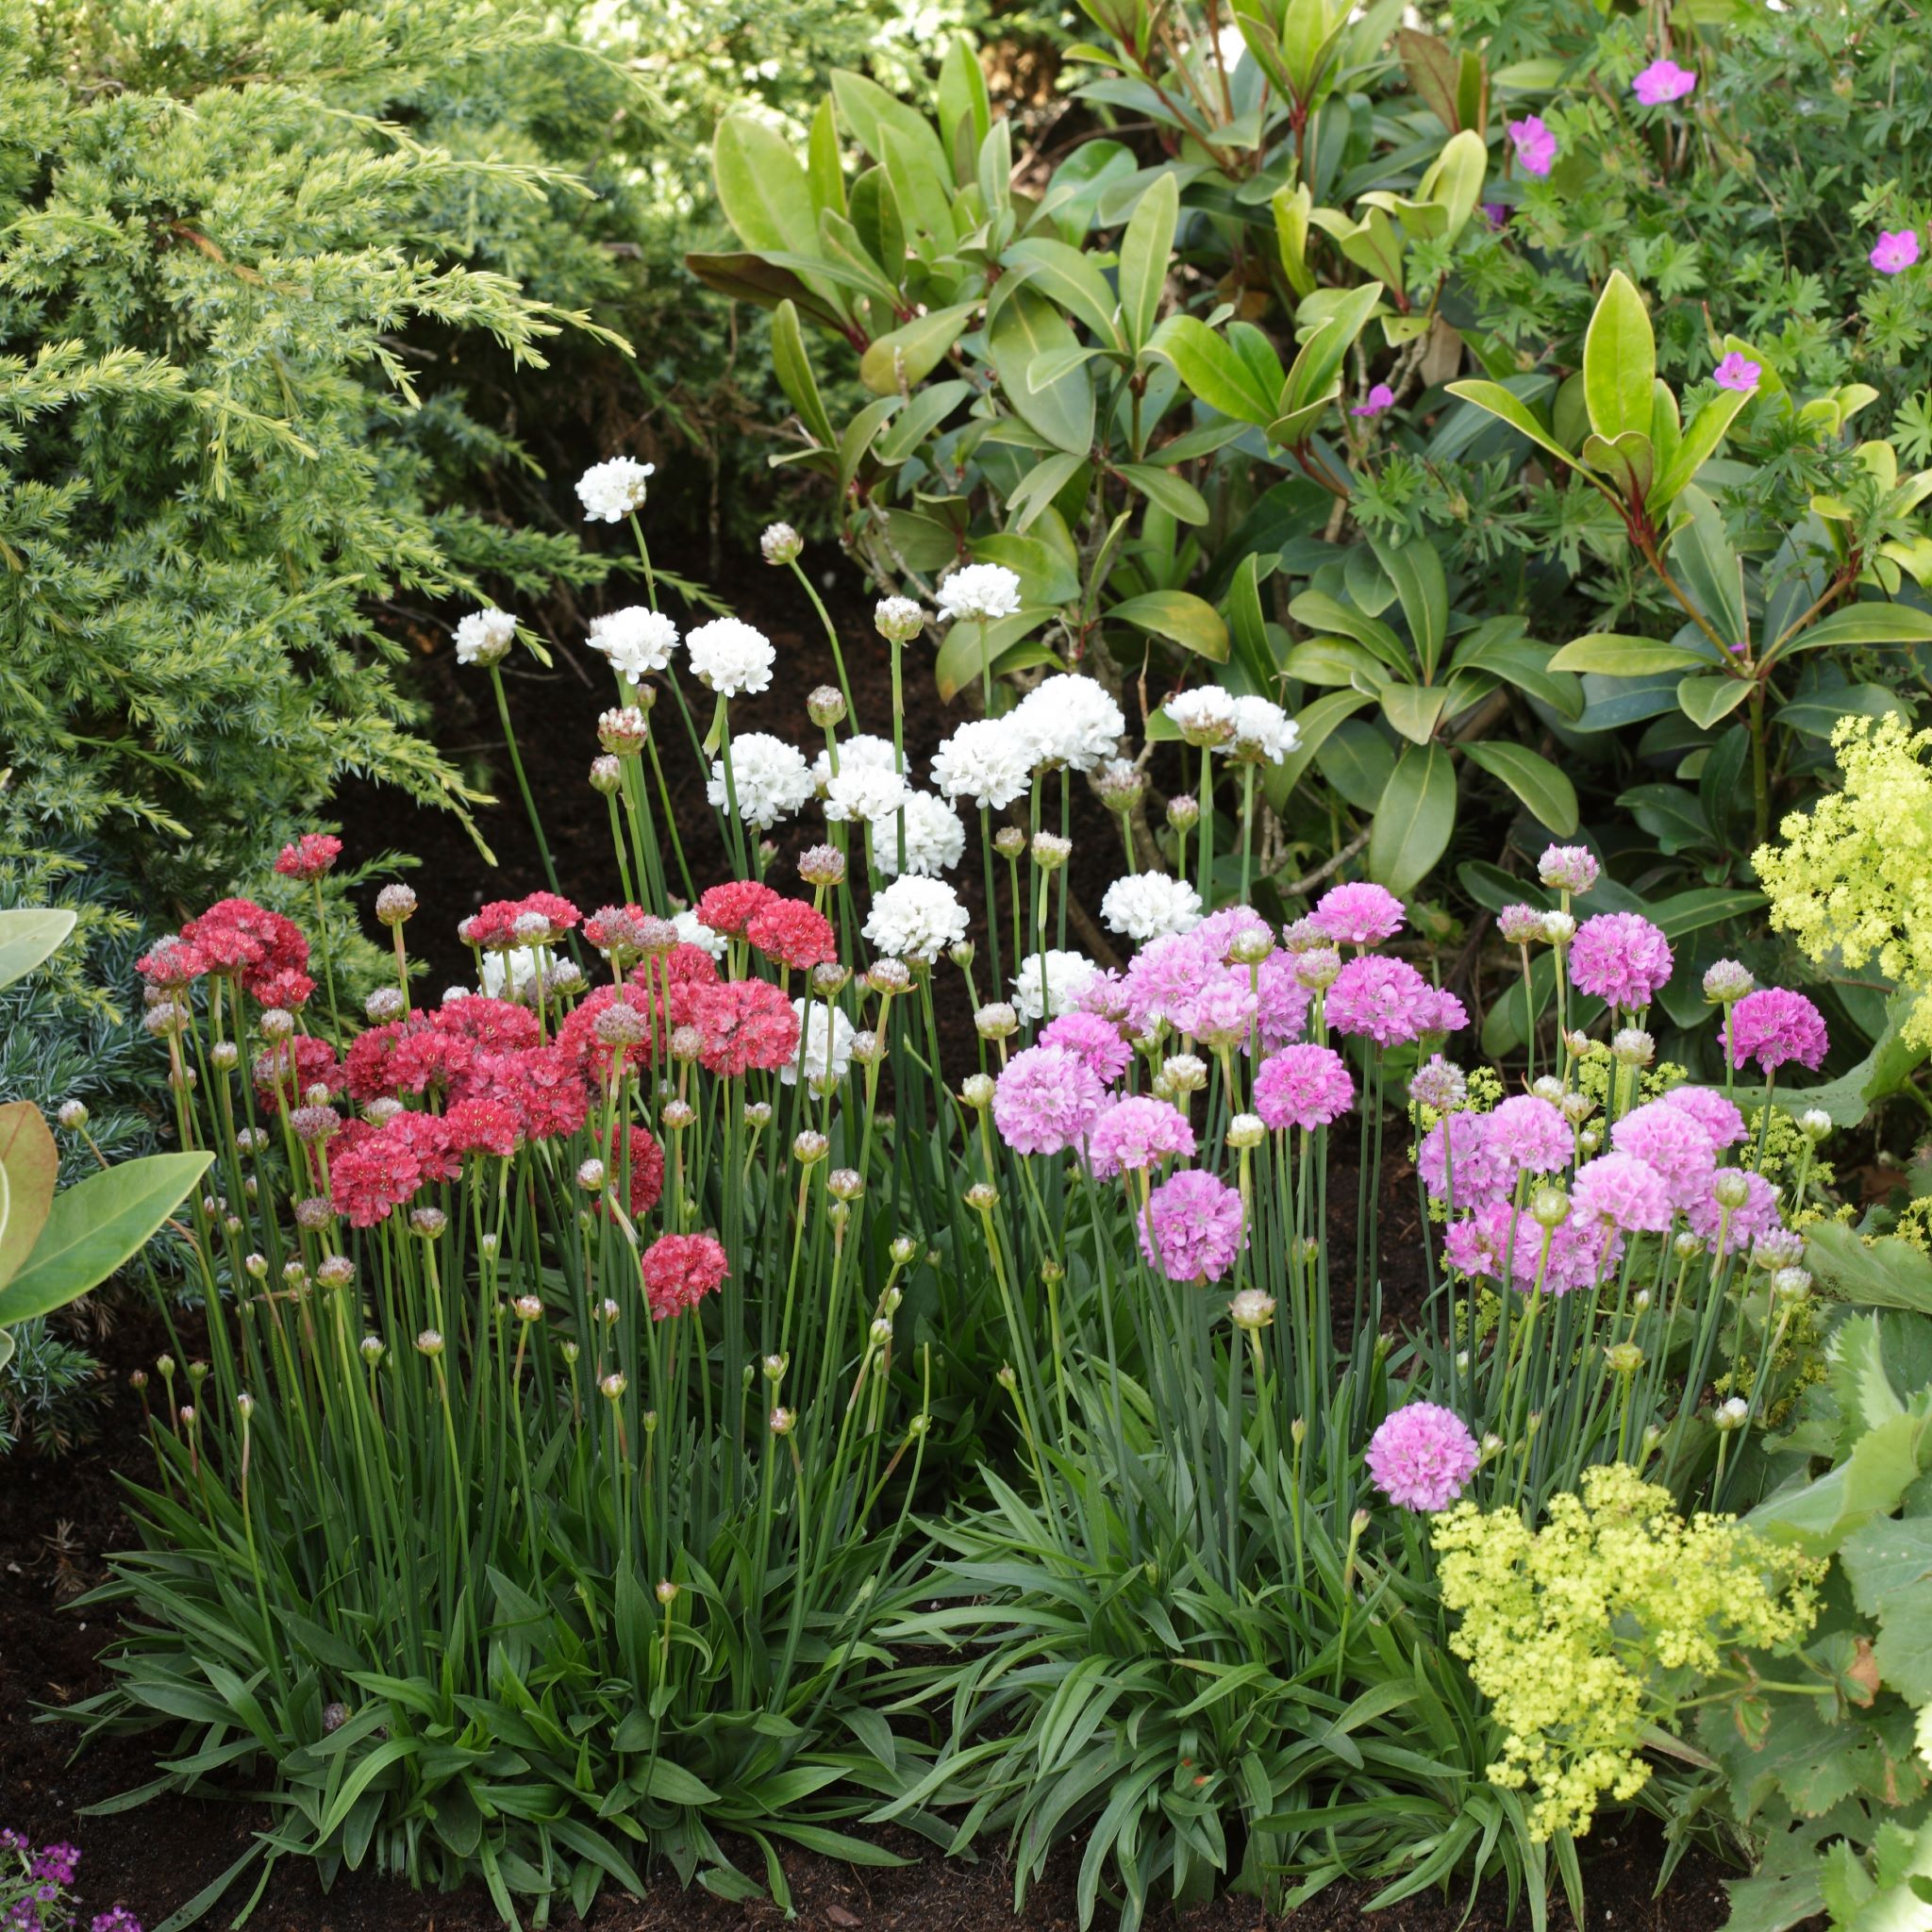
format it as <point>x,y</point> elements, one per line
<point>1221,1010</point>
<point>1775,1027</point>
<point>1531,1134</point>
<point>1386,1000</point>
<point>1739,373</point>
<point>1662,81</point>
<point>1045,1100</point>
<point>1360,914</point>
<point>309,856</point>
<point>1137,1133</point>
<point>1535,145</point>
<point>1457,1166</point>
<point>747,1023</point>
<point>1568,868</point>
<point>729,907</point>
<point>1090,1039</point>
<point>1752,1223</point>
<point>792,933</point>
<point>1622,1191</point>
<point>1216,934</point>
<point>1105,996</point>
<point>1380,398</point>
<point>1716,1115</point>
<point>1895,252</point>
<point>1423,1457</point>
<point>1284,1002</point>
<point>1191,1228</point>
<point>1304,1086</point>
<point>376,1174</point>
<point>1621,957</point>
<point>1674,1143</point>
<point>1442,1012</point>
<point>679,1271</point>
<point>1495,1235</point>
<point>1521,925</point>
<point>1162,977</point>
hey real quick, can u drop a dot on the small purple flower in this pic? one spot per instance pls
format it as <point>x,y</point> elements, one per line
<point>119,1919</point>
<point>1191,1230</point>
<point>56,1864</point>
<point>1456,1165</point>
<point>1379,398</point>
<point>1662,81</point>
<point>1775,1025</point>
<point>1739,373</point>
<point>1536,146</point>
<point>1423,1457</point>
<point>1444,1013</point>
<point>1137,1133</point>
<point>1497,214</point>
<point>1895,252</point>
<point>1621,958</point>
<point>1304,1086</point>
<point>1358,915</point>
<point>1568,868</point>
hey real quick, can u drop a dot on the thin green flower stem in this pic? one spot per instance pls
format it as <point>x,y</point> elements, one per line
<point>1204,832</point>
<point>898,743</point>
<point>992,903</point>
<point>1066,832</point>
<point>516,762</point>
<point>839,657</point>
<point>328,959</point>
<point>637,530</point>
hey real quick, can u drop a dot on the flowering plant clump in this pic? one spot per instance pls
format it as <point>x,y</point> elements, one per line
<point>36,1890</point>
<point>1584,1632</point>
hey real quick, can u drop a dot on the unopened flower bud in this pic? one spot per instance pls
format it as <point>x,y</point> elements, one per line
<point>1184,811</point>
<point>1246,1130</point>
<point>1730,1190</point>
<point>487,1246</point>
<point>809,1148</point>
<point>845,1184</point>
<point>1251,945</point>
<point>529,1307</point>
<point>622,731</point>
<point>612,1386</point>
<point>1549,1207</point>
<point>1120,784</point>
<point>880,1332</point>
<point>1623,1357</point>
<point>395,904</point>
<point>1631,1047</point>
<point>1186,1073</point>
<point>428,1222</point>
<point>590,1175</point>
<point>890,978</point>
<point>335,1271</point>
<point>607,775</point>
<point>1558,928</point>
<point>1050,851</point>
<point>996,1021</point>
<point>822,865</point>
<point>783,1421</point>
<point>825,705</point>
<point>429,1342</point>
<point>898,620</point>
<point>1317,968</point>
<point>1251,1310</point>
<point>1728,981</point>
<point>982,1199</point>
<point>369,1348</point>
<point>1814,1122</point>
<point>1547,1087</point>
<point>962,953</point>
<point>666,1592</point>
<point>1791,1284</point>
<point>903,1249</point>
<point>72,1115</point>
<point>780,543</point>
<point>1731,1413</point>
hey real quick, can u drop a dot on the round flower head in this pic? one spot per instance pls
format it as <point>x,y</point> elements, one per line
<point>1521,925</point>
<point>827,1037</point>
<point>1621,1189</point>
<point>1568,868</point>
<point>1423,1457</point>
<point>1191,1227</point>
<point>779,543</point>
<point>1775,1027</point>
<point>309,856</point>
<point>610,490</point>
<point>510,974</point>
<point>1716,1115</point>
<point>1529,1134</point>
<point>730,657</point>
<point>635,640</point>
<point>1283,1001</point>
<point>1303,1086</point>
<point>1149,905</point>
<point>1264,734</point>
<point>769,779</point>
<point>1070,721</point>
<point>1725,981</point>
<point>1457,1166</point>
<point>864,794</point>
<point>1662,81</point>
<point>1621,958</point>
<point>915,918</point>
<point>1044,1100</point>
<point>484,637</point>
<point>743,1025</point>
<point>679,1271</point>
<point>1670,1140</point>
<point>1747,1224</point>
<point>1047,985</point>
<point>1385,1000</point>
<point>1204,716</point>
<point>978,592</point>
<point>935,838</point>
<point>1895,252</point>
<point>1739,373</point>
<point>1358,915</point>
<point>1438,1085</point>
<point>1222,1009</point>
<point>1378,402</point>
<point>1095,1041</point>
<point>792,933</point>
<point>1535,145</point>
<point>1137,1133</point>
<point>862,751</point>
<point>987,760</point>
<point>899,620</point>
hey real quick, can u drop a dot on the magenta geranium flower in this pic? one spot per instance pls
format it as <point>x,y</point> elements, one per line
<point>1536,146</point>
<point>1895,252</point>
<point>1423,1457</point>
<point>1662,81</point>
<point>1379,398</point>
<point>1739,373</point>
<point>1775,1025</point>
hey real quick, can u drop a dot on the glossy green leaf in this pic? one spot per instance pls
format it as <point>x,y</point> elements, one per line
<point>1870,622</point>
<point>824,171</point>
<point>1174,494</point>
<point>29,1169</point>
<point>1320,612</point>
<point>1068,277</point>
<point>1705,700</point>
<point>1414,819</point>
<point>967,648</point>
<point>1619,361</point>
<point>1414,709</point>
<point>95,1226</point>
<point>1178,616</point>
<point>1416,571</point>
<point>1214,373</point>
<point>1695,449</point>
<point>1708,567</point>
<point>1046,577</point>
<point>1029,326</point>
<point>1621,656</point>
<point>1313,724</point>
<point>1039,486</point>
<point>28,936</point>
<point>1626,463</point>
<point>1318,364</point>
<point>749,277</point>
<point>1545,793</point>
<point>1494,400</point>
<point>1818,714</point>
<point>868,109</point>
<point>792,367</point>
<point>1146,254</point>
<point>964,101</point>
<point>911,354</point>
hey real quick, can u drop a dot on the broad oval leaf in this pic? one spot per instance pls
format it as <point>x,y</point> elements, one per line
<point>1615,656</point>
<point>28,935</point>
<point>1178,616</point>
<point>1030,326</point>
<point>967,648</point>
<point>1873,622</point>
<point>1705,700</point>
<point>29,1169</point>
<point>1146,250</point>
<point>1414,709</point>
<point>1413,819</point>
<point>1619,361</point>
<point>1547,794</point>
<point>1174,494</point>
<point>1492,398</point>
<point>911,354</point>
<point>1214,373</point>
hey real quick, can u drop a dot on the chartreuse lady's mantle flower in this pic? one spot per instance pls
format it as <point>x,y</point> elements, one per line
<point>1589,1630</point>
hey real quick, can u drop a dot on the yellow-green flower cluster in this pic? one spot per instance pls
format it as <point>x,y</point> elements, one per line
<point>1589,1630</point>
<point>1854,873</point>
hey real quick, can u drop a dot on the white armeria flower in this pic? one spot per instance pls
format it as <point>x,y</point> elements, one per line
<point>862,751</point>
<point>769,778</point>
<point>985,760</point>
<point>1070,721</point>
<point>827,1035</point>
<point>693,931</point>
<point>730,657</point>
<point>1149,905</point>
<point>1047,984</point>
<point>509,973</point>
<point>1264,734</point>
<point>863,791</point>
<point>610,490</point>
<point>1204,715</point>
<point>978,590</point>
<point>636,640</point>
<point>485,636</point>
<point>915,919</point>
<point>935,838</point>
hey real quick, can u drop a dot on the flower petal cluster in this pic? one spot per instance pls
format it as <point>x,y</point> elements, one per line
<point>1775,1027</point>
<point>1385,1000</point>
<point>679,1271</point>
<point>1137,1133</point>
<point>1070,721</point>
<point>611,490</point>
<point>1621,957</point>
<point>1045,985</point>
<point>987,760</point>
<point>1192,1227</point>
<point>978,592</point>
<point>730,657</point>
<point>1421,1457</point>
<point>935,838</point>
<point>1045,1099</point>
<point>915,918</point>
<point>1359,914</point>
<point>769,779</point>
<point>1304,1086</point>
<point>636,641</point>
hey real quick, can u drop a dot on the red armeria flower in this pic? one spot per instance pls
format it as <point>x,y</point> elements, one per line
<point>171,962</point>
<point>371,1173</point>
<point>312,1062</point>
<point>367,1063</point>
<point>593,1046</point>
<point>639,1146</point>
<point>727,907</point>
<point>562,915</point>
<point>495,1025</point>
<point>544,1084</point>
<point>618,930</point>
<point>495,925</point>
<point>428,1056</point>
<point>792,933</point>
<point>287,990</point>
<point>747,1023</point>
<point>309,856</point>
<point>482,1126</point>
<point>238,936</point>
<point>679,1271</point>
<point>428,1140</point>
